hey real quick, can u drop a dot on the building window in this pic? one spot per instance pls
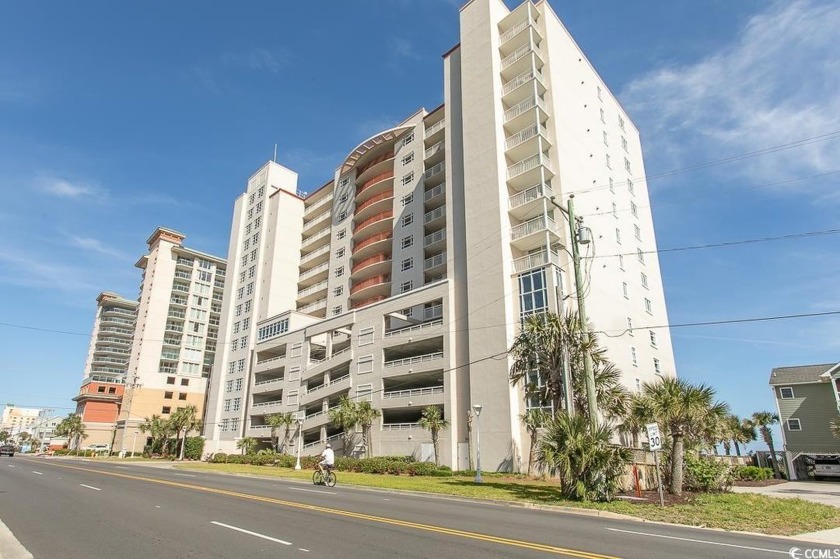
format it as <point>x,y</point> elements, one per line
<point>633,357</point>
<point>341,234</point>
<point>253,255</point>
<point>344,181</point>
<point>617,235</point>
<point>408,179</point>
<point>337,310</point>
<point>607,159</point>
<point>229,386</point>
<point>407,241</point>
<point>185,382</point>
<point>170,380</point>
<point>292,399</point>
<point>648,306</point>
<point>337,291</point>
<point>615,210</point>
<point>794,424</point>
<point>636,230</point>
<point>252,197</point>
<point>247,244</point>
<point>246,323</point>
<point>248,229</point>
<point>234,424</point>
<point>364,392</point>
<point>238,311</point>
<point>366,336</point>
<point>343,198</point>
<point>602,116</point>
<point>624,143</point>
<point>165,410</point>
<point>339,253</point>
<point>630,187</point>
<point>657,368</point>
<point>245,260</point>
<point>406,286</point>
<point>408,158</point>
<point>786,392</point>
<point>408,139</point>
<point>644,280</point>
<point>240,366</point>
<point>339,271</point>
<point>342,216</point>
<point>256,238</point>
<point>652,338</point>
<point>407,199</point>
<point>535,392</point>
<point>638,385</point>
<point>250,213</point>
<point>629,325</point>
<point>624,289</point>
<point>242,276</point>
<point>294,373</point>
<point>297,350</point>
<point>365,365</point>
<point>243,342</point>
<point>166,395</point>
<point>612,186</point>
<point>599,93</point>
<point>533,294</point>
<point>407,264</point>
<point>621,262</point>
<point>261,192</point>
<point>407,219</point>
<point>620,122</point>
<point>182,396</point>
<point>259,207</point>
<point>248,306</point>
<point>640,255</point>
<point>634,210</point>
<point>250,289</point>
<point>237,404</point>
<point>238,385</point>
<point>225,424</point>
<point>257,222</point>
<point>627,165</point>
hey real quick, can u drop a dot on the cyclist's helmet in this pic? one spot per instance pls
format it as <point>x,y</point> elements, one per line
<point>329,445</point>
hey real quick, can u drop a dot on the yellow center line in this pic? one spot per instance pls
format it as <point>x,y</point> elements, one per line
<point>350,514</point>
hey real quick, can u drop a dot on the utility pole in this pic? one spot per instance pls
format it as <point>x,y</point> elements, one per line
<point>589,375</point>
<point>123,446</point>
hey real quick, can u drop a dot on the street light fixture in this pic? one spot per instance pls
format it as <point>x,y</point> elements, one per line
<point>299,422</point>
<point>477,409</point>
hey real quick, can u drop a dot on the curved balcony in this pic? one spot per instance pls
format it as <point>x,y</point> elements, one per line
<point>384,162</point>
<point>378,263</point>
<point>376,223</point>
<point>380,202</point>
<point>368,246</point>
<point>371,287</point>
<point>374,185</point>
<point>367,302</point>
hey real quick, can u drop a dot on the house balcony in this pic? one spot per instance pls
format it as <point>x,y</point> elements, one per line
<point>317,291</point>
<point>334,361</point>
<point>435,241</point>
<point>532,139</point>
<point>177,301</point>
<point>368,301</point>
<point>314,275</point>
<point>371,287</point>
<point>527,172</point>
<point>435,218</point>
<point>184,262</point>
<point>318,418</point>
<point>415,360</point>
<point>536,260</point>
<point>416,331</point>
<point>265,408</point>
<point>379,203</point>
<point>374,185</point>
<point>419,397</point>
<point>379,242</point>
<point>435,175</point>
<point>515,90</point>
<point>435,132</point>
<point>372,265</point>
<point>532,233</point>
<point>529,203</point>
<point>383,221</point>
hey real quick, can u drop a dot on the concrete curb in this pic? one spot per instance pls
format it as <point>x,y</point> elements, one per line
<point>10,547</point>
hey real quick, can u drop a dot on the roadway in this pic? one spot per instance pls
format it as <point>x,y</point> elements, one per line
<point>72,509</point>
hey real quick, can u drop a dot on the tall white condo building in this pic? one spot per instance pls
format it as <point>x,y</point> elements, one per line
<point>405,278</point>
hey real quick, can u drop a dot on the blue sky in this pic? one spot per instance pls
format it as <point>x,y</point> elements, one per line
<point>117,118</point>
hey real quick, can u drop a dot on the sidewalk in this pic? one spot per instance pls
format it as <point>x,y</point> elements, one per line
<point>825,492</point>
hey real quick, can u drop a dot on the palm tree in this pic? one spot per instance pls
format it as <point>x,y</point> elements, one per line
<point>763,420</point>
<point>156,427</point>
<point>432,420</point>
<point>683,410</point>
<point>638,415</point>
<point>540,349</point>
<point>744,434</point>
<point>276,420</point>
<point>5,436</point>
<point>366,413</point>
<point>73,428</point>
<point>184,420</point>
<point>346,417</point>
<point>246,444</point>
<point>534,420</point>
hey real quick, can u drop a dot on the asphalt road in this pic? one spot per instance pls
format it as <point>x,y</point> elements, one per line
<point>68,509</point>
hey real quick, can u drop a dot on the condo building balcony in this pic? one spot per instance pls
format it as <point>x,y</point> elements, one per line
<point>318,308</point>
<point>523,86</point>
<point>370,245</point>
<point>321,220</point>
<point>314,241</point>
<point>435,241</point>
<point>372,265</point>
<point>313,275</point>
<point>530,202</point>
<point>118,311</point>
<point>434,154</point>
<point>311,259</point>
<point>377,223</point>
<point>533,108</point>
<point>368,301</point>
<point>375,204</point>
<point>525,56</point>
<point>435,196</point>
<point>536,259</point>
<point>312,293</point>
<point>435,263</point>
<point>316,208</point>
<point>531,139</point>
<point>375,185</point>
<point>318,389</point>
<point>527,172</point>
<point>435,175</point>
<point>532,233</point>
<point>415,390</point>
<point>377,165</point>
<point>436,217</point>
<point>372,287</point>
<point>435,132</point>
<point>521,32</point>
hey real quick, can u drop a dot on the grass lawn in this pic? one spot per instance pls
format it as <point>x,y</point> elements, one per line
<point>730,511</point>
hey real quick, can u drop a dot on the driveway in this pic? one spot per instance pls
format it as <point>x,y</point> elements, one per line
<point>825,492</point>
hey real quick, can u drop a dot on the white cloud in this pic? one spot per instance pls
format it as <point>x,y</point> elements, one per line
<point>777,82</point>
<point>66,189</point>
<point>42,273</point>
<point>95,245</point>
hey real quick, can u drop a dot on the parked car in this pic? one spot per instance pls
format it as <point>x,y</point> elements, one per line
<point>826,468</point>
<point>8,450</point>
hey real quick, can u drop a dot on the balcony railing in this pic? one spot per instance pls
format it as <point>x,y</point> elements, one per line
<point>435,127</point>
<point>435,311</point>
<point>372,239</point>
<point>317,305</point>
<point>271,360</point>
<point>340,352</point>
<point>415,328</point>
<point>435,237</point>
<point>320,235</point>
<point>413,393</point>
<point>326,384</point>
<point>435,261</point>
<point>184,262</point>
<point>526,196</point>
<point>436,213</point>
<point>375,259</point>
<point>370,282</point>
<point>314,271</point>
<point>539,223</point>
<point>521,79</point>
<point>374,219</point>
<point>515,30</point>
<point>370,182</point>
<point>536,260</point>
<point>415,359</point>
<point>438,168</point>
<point>527,164</point>
<point>519,54</point>
<point>266,404</point>
<point>310,290</point>
<point>524,106</point>
<point>378,198</point>
<point>311,209</point>
<point>525,135</point>
<point>438,147</point>
<point>400,426</point>
<point>371,163</point>
<point>434,192</point>
<point>314,254</point>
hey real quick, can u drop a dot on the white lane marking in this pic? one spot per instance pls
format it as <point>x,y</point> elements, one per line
<point>157,506</point>
<point>313,491</point>
<point>250,533</point>
<point>90,487</point>
<point>700,541</point>
<point>121,467</point>
<point>301,549</point>
<point>10,465</point>
<point>37,473</point>
<point>386,499</point>
<point>184,475</point>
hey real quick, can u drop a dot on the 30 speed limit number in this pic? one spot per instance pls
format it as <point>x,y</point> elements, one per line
<point>654,438</point>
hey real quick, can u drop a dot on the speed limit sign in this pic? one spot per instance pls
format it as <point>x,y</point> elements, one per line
<point>654,438</point>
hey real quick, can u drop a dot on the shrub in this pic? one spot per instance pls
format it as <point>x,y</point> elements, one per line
<point>193,448</point>
<point>706,474</point>
<point>752,473</point>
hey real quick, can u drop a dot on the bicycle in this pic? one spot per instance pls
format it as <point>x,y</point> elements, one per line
<point>327,478</point>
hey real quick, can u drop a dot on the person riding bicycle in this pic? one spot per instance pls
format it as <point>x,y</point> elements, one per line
<point>328,459</point>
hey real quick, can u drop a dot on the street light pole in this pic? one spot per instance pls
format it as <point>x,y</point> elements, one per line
<point>477,410</point>
<point>589,375</point>
<point>300,426</point>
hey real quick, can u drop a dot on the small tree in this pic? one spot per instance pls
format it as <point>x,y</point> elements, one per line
<point>744,434</point>
<point>533,420</point>
<point>345,416</point>
<point>73,428</point>
<point>432,419</point>
<point>183,421</point>
<point>366,414</point>
<point>156,427</point>
<point>764,420</point>
<point>275,421</point>
<point>5,436</point>
<point>246,444</point>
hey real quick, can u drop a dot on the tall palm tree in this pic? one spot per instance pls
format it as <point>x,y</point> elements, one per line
<point>5,436</point>
<point>366,414</point>
<point>540,348</point>
<point>246,444</point>
<point>534,420</point>
<point>638,415</point>
<point>741,431</point>
<point>432,420</point>
<point>183,421</point>
<point>346,417</point>
<point>683,410</point>
<point>156,427</point>
<point>277,420</point>
<point>72,428</point>
<point>763,420</point>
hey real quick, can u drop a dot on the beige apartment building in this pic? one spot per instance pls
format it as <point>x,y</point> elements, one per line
<point>405,278</point>
<point>175,336</point>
